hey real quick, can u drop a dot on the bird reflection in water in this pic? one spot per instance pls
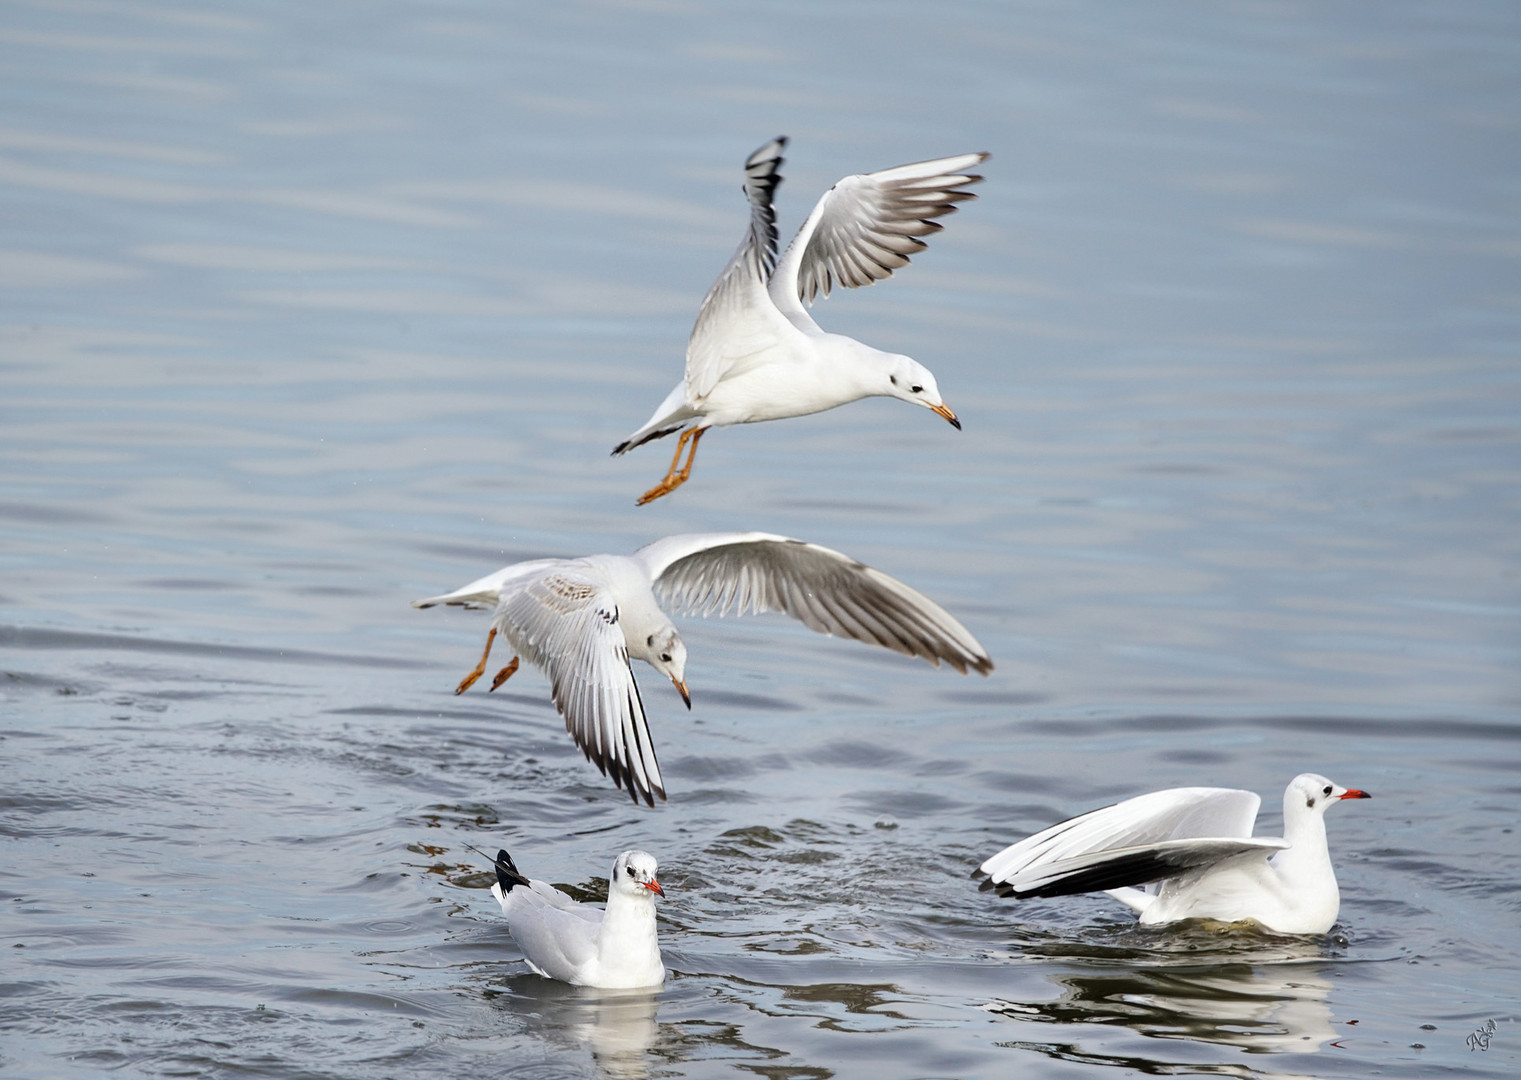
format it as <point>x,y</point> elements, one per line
<point>1261,1008</point>
<point>617,1026</point>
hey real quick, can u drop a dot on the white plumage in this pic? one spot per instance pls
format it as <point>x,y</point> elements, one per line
<point>582,620</point>
<point>756,354</point>
<point>562,938</point>
<point>1194,848</point>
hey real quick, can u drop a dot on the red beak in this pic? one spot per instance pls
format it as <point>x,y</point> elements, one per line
<point>1353,793</point>
<point>654,887</point>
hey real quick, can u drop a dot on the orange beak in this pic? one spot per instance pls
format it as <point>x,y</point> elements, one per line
<point>654,887</point>
<point>944,410</point>
<point>681,688</point>
<point>1353,793</point>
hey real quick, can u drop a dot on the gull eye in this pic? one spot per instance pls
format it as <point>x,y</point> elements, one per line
<point>666,657</point>
<point>1327,791</point>
<point>917,389</point>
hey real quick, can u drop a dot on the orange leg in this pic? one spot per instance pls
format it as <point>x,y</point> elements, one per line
<point>480,669</point>
<point>674,479</point>
<point>505,674</point>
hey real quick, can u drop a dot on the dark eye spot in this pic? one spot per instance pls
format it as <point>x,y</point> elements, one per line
<point>893,379</point>
<point>666,657</point>
<point>917,389</point>
<point>1327,791</point>
<point>1310,802</point>
<point>650,640</point>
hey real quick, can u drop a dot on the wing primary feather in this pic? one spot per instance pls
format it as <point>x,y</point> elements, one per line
<point>853,627</point>
<point>762,178</point>
<point>825,591</point>
<point>910,620</point>
<point>654,786</point>
<point>1134,868</point>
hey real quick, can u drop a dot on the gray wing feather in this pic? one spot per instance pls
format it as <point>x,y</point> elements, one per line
<point>1129,866</point>
<point>485,592</point>
<point>867,226</point>
<point>567,624</point>
<point>732,321</point>
<point>829,592</point>
<point>556,941</point>
<point>1154,818</point>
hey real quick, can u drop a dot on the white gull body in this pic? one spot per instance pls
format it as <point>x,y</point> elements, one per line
<point>611,948</point>
<point>756,354</point>
<point>1193,850</point>
<point>583,620</point>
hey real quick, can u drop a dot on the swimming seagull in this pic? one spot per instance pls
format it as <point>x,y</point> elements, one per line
<point>564,939</point>
<point>582,620</point>
<point>1194,847</point>
<point>756,354</point>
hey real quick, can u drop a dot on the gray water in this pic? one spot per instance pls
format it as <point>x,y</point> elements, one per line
<point>313,309</point>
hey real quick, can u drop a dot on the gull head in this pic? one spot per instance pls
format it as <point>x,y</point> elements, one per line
<point>1316,794</point>
<point>667,653</point>
<point>910,381</point>
<point>634,875</point>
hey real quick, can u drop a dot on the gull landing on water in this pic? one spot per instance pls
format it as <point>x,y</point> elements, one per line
<point>1195,845</point>
<point>582,621</point>
<point>755,352</point>
<point>562,938</point>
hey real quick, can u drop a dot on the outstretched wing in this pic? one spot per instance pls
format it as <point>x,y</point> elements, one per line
<point>485,592</point>
<point>1118,868</point>
<point>566,623</point>
<point>716,573</point>
<point>1124,831</point>
<point>867,226</point>
<point>735,320</point>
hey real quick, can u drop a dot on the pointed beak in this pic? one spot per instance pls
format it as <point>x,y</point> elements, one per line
<point>654,887</point>
<point>1353,793</point>
<point>681,688</point>
<point>944,410</point>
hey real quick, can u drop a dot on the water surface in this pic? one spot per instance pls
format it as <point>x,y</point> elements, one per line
<point>310,311</point>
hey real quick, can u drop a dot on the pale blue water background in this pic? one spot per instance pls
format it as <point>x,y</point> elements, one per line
<point>309,310</point>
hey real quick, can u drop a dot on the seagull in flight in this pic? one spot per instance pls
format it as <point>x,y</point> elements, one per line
<point>756,354</point>
<point>582,622</point>
<point>1189,853</point>
<point>562,938</point>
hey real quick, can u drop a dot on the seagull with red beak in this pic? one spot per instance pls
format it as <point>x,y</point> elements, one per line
<point>1189,853</point>
<point>614,948</point>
